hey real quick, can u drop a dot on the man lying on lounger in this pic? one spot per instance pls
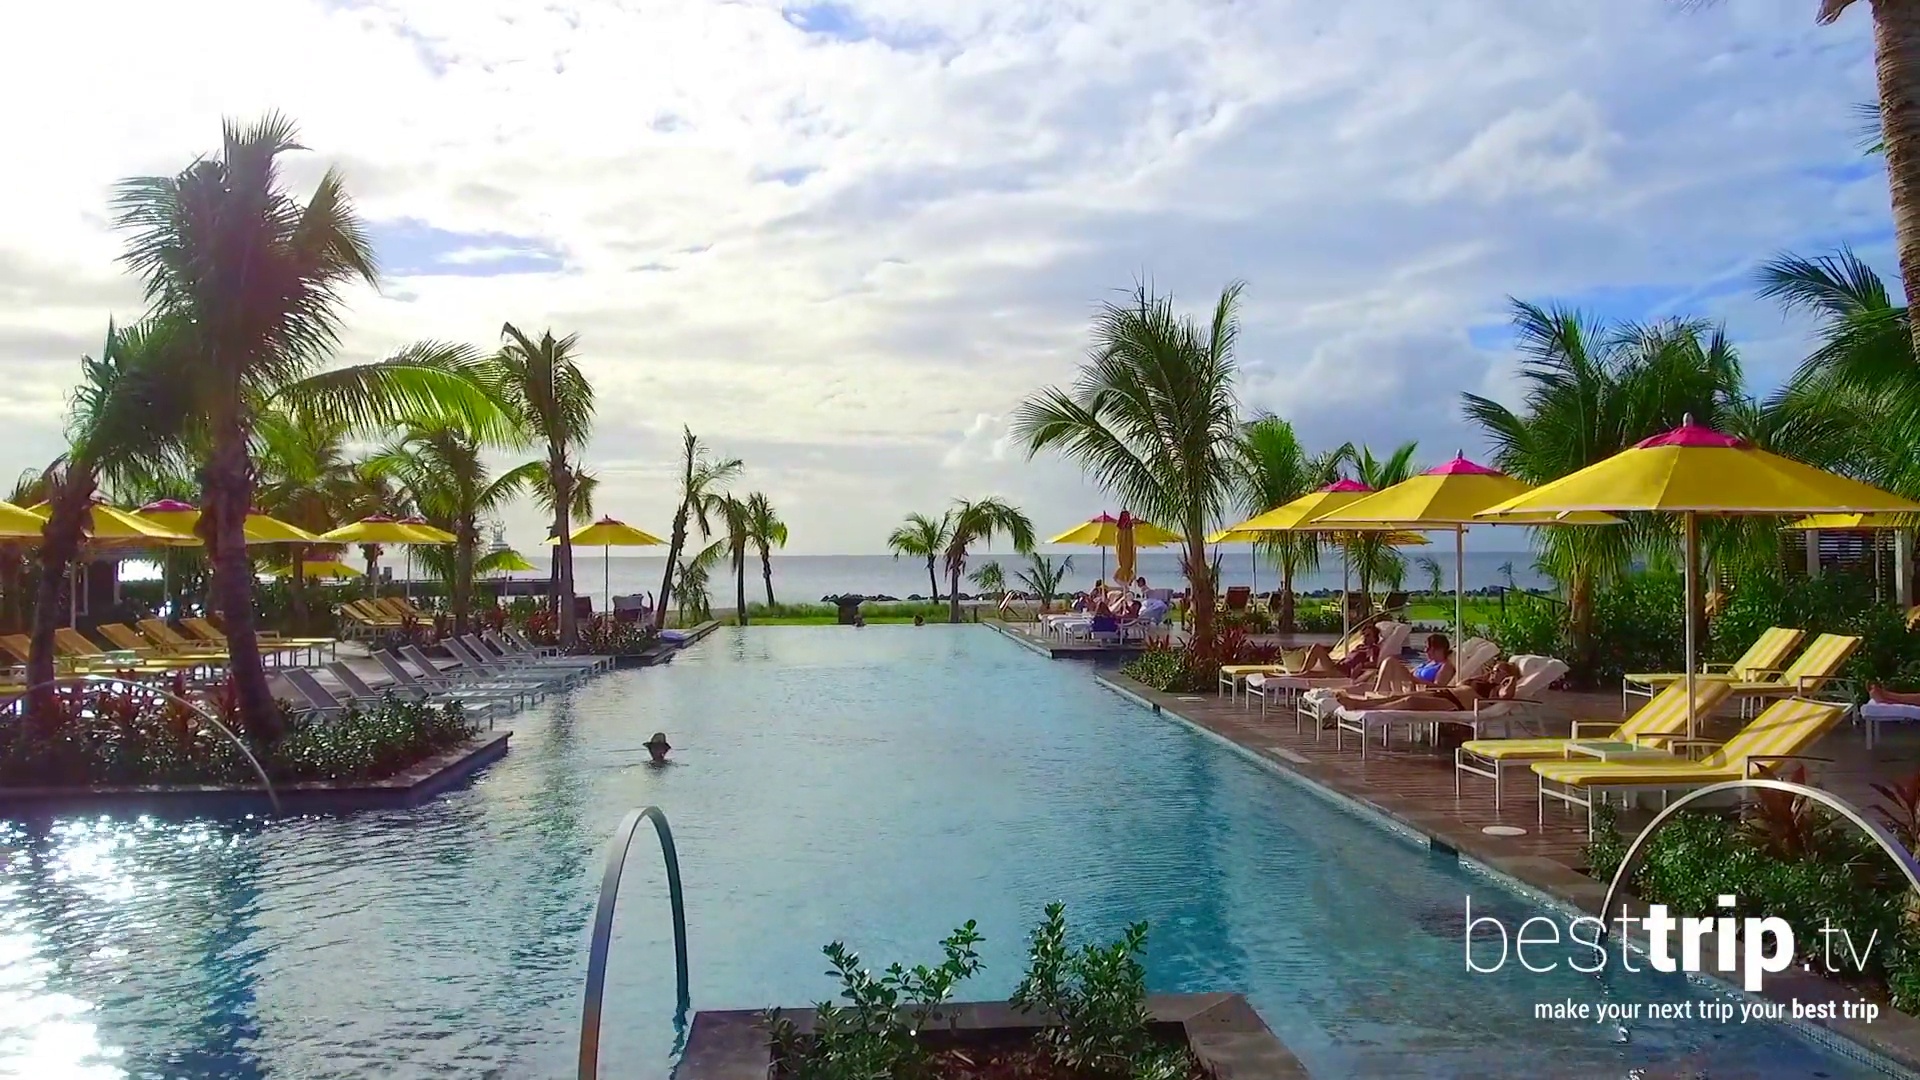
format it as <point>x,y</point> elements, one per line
<point>1500,683</point>
<point>1362,658</point>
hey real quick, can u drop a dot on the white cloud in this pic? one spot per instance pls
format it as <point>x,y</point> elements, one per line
<point>846,260</point>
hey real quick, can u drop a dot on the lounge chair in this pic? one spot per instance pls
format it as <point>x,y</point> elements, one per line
<point>1536,674</point>
<point>485,663</point>
<point>461,675</point>
<point>493,645</point>
<point>373,615</point>
<point>435,685</point>
<point>1783,732</point>
<point>527,646</point>
<point>124,638</point>
<point>73,644</point>
<point>1278,685</point>
<point>1232,675</point>
<point>479,704</point>
<point>1811,671</point>
<point>1661,717</point>
<point>1470,661</point>
<point>316,698</point>
<point>1237,598</point>
<point>1766,653</point>
<point>206,632</point>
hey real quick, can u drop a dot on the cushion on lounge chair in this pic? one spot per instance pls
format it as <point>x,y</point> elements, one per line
<point>1787,727</point>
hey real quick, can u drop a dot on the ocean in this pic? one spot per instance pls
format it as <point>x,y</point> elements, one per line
<point>807,579</point>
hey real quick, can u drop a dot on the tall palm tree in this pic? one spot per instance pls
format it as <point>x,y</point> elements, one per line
<point>702,477</point>
<point>1042,577</point>
<point>1152,416</point>
<point>1436,577</point>
<point>976,521</point>
<point>255,278</point>
<point>585,484</point>
<point>691,578</point>
<point>1271,468</point>
<point>1373,558</point>
<point>1896,37</point>
<point>924,538</point>
<point>442,467</point>
<point>1593,390</point>
<point>737,521</point>
<point>990,579</point>
<point>305,479</point>
<point>768,532</point>
<point>554,401</point>
<point>123,422</point>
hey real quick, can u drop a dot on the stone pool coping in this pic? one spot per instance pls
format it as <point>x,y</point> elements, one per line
<point>410,787</point>
<point>1223,1031</point>
<point>1894,1036</point>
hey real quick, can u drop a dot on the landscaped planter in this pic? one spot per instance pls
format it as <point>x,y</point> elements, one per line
<point>1225,1035</point>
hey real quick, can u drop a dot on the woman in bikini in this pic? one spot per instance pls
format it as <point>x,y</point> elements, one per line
<point>1360,659</point>
<point>1500,683</point>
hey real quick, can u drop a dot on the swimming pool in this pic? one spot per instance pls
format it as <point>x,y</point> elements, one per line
<point>878,786</point>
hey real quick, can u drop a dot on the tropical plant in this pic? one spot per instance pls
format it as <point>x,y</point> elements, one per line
<point>585,484</point>
<point>442,467</point>
<point>1152,416</point>
<point>1896,35</point>
<point>923,538</point>
<point>1272,468</point>
<point>1042,577</point>
<point>1436,577</point>
<point>991,579</point>
<point>1593,390</point>
<point>305,479</point>
<point>691,583</point>
<point>1371,554</point>
<point>1506,574</point>
<point>736,520</point>
<point>976,521</point>
<point>767,532</point>
<point>701,479</point>
<point>1096,999</point>
<point>252,279</point>
<point>553,402</point>
<point>123,421</point>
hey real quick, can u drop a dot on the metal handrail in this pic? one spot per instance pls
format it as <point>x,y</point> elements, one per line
<point>603,929</point>
<point>22,702</point>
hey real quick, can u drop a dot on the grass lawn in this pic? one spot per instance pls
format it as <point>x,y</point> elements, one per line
<point>1438,611</point>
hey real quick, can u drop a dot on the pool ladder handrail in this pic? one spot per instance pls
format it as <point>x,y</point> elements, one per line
<point>603,929</point>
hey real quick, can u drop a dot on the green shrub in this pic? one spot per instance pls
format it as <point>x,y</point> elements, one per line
<point>1636,627</point>
<point>1530,625</point>
<point>1097,998</point>
<point>1318,619</point>
<point>1835,602</point>
<point>1188,669</point>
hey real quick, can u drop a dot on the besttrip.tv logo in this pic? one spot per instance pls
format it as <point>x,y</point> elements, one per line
<point>1762,946</point>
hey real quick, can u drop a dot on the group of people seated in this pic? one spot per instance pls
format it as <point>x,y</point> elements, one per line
<point>1431,685</point>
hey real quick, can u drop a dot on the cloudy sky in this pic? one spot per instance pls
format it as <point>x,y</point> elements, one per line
<point>842,239</point>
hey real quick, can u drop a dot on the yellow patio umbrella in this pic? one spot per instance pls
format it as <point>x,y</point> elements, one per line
<point>428,532</point>
<point>20,523</point>
<point>1448,496</point>
<point>1846,522</point>
<point>1694,470</point>
<point>373,529</point>
<point>1298,516</point>
<point>106,524</point>
<point>324,568</point>
<point>610,534</point>
<point>1103,532</point>
<point>260,529</point>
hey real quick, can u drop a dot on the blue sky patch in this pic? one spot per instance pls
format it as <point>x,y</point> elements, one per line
<point>792,177</point>
<point>409,248</point>
<point>828,18</point>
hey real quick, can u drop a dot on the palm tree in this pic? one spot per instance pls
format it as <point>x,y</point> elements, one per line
<point>976,522</point>
<point>306,479</point>
<point>585,484</point>
<point>924,538</point>
<point>1271,468</point>
<point>690,583</point>
<point>1436,578</point>
<point>1896,35</point>
<point>554,402</point>
<point>1594,390</point>
<point>701,479</point>
<point>1152,416</point>
<point>768,532</point>
<point>255,278</point>
<point>737,521</point>
<point>1372,556</point>
<point>1043,578</point>
<point>123,422</point>
<point>442,468</point>
<point>991,579</point>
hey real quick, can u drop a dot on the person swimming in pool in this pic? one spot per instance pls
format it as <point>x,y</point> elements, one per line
<point>657,748</point>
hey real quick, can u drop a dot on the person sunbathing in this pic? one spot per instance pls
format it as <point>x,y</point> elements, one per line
<point>1884,696</point>
<point>1500,683</point>
<point>1361,658</point>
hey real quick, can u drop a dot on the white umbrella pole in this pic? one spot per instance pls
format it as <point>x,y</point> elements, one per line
<point>1690,527</point>
<point>1345,606</point>
<point>606,576</point>
<point>1459,585</point>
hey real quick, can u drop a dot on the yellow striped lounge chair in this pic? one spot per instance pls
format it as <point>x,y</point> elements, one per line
<point>1811,670</point>
<point>1661,718</point>
<point>1767,653</point>
<point>1784,732</point>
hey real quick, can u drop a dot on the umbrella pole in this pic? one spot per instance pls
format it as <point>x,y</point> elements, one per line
<point>1459,585</point>
<point>606,561</point>
<point>1691,528</point>
<point>1345,605</point>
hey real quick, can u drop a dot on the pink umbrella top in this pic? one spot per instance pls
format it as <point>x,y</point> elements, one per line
<point>1690,434</point>
<point>1460,466</point>
<point>168,506</point>
<point>1339,487</point>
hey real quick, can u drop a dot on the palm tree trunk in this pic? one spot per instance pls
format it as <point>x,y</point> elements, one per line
<point>953,590</point>
<point>229,492</point>
<point>463,558</point>
<point>1580,618</point>
<point>60,542</point>
<point>1896,46</point>
<point>766,575</point>
<point>1286,597</point>
<point>740,587</point>
<point>1200,586</point>
<point>297,589</point>
<point>676,541</point>
<point>563,505</point>
<point>933,580</point>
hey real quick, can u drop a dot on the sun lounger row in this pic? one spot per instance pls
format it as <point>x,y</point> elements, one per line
<point>1757,674</point>
<point>487,674</point>
<point>157,648</point>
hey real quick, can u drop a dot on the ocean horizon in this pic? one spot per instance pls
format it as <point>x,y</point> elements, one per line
<point>808,579</point>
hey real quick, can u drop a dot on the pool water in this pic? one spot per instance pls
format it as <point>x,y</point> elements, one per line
<point>878,786</point>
